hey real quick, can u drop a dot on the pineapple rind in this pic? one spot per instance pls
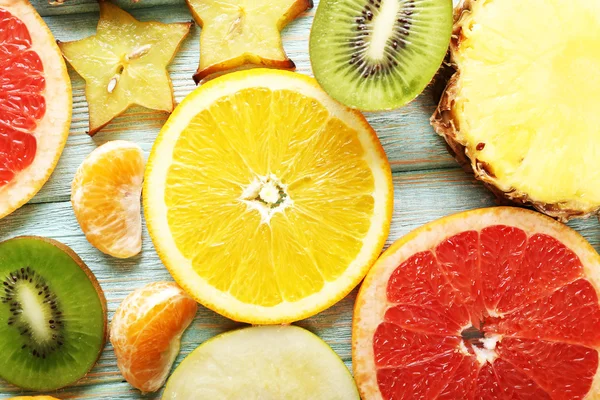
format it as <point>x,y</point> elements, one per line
<point>446,121</point>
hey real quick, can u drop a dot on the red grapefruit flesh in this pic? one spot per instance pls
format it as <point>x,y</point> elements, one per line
<point>498,303</point>
<point>35,104</point>
<point>22,104</point>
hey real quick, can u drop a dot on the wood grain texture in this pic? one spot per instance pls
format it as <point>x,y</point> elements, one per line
<point>420,197</point>
<point>427,186</point>
<point>406,134</point>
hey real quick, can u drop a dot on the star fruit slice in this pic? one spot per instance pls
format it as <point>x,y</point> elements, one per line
<point>125,64</point>
<point>242,33</point>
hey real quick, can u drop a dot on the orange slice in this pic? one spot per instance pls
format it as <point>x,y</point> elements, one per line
<point>498,303</point>
<point>106,198</point>
<point>267,200</point>
<point>146,331</point>
<point>35,104</point>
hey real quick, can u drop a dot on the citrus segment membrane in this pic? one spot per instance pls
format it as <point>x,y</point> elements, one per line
<point>22,102</point>
<point>105,195</point>
<point>330,192</point>
<point>146,332</point>
<point>499,312</point>
<point>265,198</point>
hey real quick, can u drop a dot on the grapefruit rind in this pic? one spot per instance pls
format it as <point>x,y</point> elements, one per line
<point>155,209</point>
<point>372,302</point>
<point>53,129</point>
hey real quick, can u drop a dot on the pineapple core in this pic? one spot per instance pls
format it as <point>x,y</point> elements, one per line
<point>528,96</point>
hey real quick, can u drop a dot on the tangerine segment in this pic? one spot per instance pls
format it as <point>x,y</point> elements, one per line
<point>146,332</point>
<point>35,104</point>
<point>266,199</point>
<point>497,303</point>
<point>105,195</point>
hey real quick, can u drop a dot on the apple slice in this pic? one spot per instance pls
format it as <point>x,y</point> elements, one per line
<point>238,34</point>
<point>125,64</point>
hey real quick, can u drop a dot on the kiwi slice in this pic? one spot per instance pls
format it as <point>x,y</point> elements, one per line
<point>52,314</point>
<point>379,54</point>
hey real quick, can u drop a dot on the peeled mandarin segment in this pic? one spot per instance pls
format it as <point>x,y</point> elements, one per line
<point>35,104</point>
<point>496,303</point>
<point>265,362</point>
<point>146,332</point>
<point>125,64</point>
<point>237,33</point>
<point>266,199</point>
<point>105,195</point>
<point>521,107</point>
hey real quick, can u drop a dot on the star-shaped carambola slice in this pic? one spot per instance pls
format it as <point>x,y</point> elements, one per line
<point>240,33</point>
<point>125,64</point>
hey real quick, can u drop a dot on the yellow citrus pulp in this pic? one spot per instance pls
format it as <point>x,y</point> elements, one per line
<point>267,200</point>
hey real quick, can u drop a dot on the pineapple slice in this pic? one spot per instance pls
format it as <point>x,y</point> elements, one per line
<point>242,33</point>
<point>522,108</point>
<point>125,64</point>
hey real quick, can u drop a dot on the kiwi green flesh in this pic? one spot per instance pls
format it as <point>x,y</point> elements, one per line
<point>411,40</point>
<point>52,315</point>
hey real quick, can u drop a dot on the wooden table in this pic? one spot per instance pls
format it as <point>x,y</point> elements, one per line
<point>428,184</point>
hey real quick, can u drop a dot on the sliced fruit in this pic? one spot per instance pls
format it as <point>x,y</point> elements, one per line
<point>125,63</point>
<point>521,108</point>
<point>146,332</point>
<point>267,200</point>
<point>379,54</point>
<point>242,33</point>
<point>265,362</point>
<point>52,314</point>
<point>105,195</point>
<point>35,104</point>
<point>33,398</point>
<point>498,303</point>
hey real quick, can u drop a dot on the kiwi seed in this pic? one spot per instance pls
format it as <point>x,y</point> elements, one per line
<point>38,347</point>
<point>379,54</point>
<point>52,314</point>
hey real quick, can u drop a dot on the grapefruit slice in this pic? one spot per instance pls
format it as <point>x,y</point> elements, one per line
<point>35,104</point>
<point>498,303</point>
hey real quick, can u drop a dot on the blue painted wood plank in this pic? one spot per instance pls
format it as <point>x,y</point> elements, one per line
<point>420,197</point>
<point>406,135</point>
<point>427,186</point>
